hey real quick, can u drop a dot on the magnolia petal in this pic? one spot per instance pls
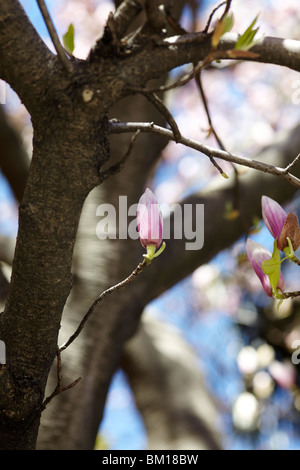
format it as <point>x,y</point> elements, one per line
<point>274,215</point>
<point>257,254</point>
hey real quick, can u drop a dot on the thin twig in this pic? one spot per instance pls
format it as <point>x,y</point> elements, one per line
<point>290,295</point>
<point>54,37</point>
<point>293,163</point>
<point>159,104</point>
<point>173,22</point>
<point>211,126</point>
<point>126,281</point>
<point>228,5</point>
<point>295,260</point>
<point>120,165</point>
<point>117,128</point>
<point>215,55</point>
<point>59,388</point>
<point>205,104</point>
<point>176,84</point>
<point>222,147</point>
<point>211,16</point>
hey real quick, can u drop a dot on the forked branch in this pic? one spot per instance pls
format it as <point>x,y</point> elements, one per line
<point>59,387</point>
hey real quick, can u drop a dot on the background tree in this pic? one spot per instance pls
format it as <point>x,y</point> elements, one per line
<point>78,150</point>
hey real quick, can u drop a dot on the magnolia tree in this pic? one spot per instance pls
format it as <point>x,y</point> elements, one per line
<point>99,125</point>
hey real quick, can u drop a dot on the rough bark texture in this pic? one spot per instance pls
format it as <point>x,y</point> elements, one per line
<point>70,146</point>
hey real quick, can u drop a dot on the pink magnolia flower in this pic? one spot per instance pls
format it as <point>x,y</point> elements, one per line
<point>257,254</point>
<point>149,220</point>
<point>274,216</point>
<point>280,224</point>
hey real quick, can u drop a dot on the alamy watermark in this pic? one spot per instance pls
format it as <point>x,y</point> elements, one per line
<point>180,221</point>
<point>296,353</point>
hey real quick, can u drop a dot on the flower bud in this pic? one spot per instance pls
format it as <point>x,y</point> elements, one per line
<point>280,224</point>
<point>274,216</point>
<point>149,220</point>
<point>257,254</point>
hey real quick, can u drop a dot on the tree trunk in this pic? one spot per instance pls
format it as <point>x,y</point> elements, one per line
<point>62,172</point>
<point>68,100</point>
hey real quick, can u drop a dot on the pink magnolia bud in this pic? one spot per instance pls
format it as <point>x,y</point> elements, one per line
<point>274,216</point>
<point>280,224</point>
<point>257,254</point>
<point>149,220</point>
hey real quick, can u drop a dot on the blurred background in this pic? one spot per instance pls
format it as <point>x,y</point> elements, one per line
<point>242,342</point>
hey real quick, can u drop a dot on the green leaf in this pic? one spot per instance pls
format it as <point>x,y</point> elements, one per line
<point>222,26</point>
<point>229,21</point>
<point>271,267</point>
<point>246,40</point>
<point>68,39</point>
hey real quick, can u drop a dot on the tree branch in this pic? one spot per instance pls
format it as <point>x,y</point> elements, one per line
<point>293,163</point>
<point>116,26</point>
<point>155,14</point>
<point>56,42</point>
<point>59,387</point>
<point>206,150</point>
<point>213,12</point>
<point>23,54</point>
<point>175,51</point>
<point>125,14</point>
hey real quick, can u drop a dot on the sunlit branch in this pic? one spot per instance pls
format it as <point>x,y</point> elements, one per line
<point>118,128</point>
<point>196,46</point>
